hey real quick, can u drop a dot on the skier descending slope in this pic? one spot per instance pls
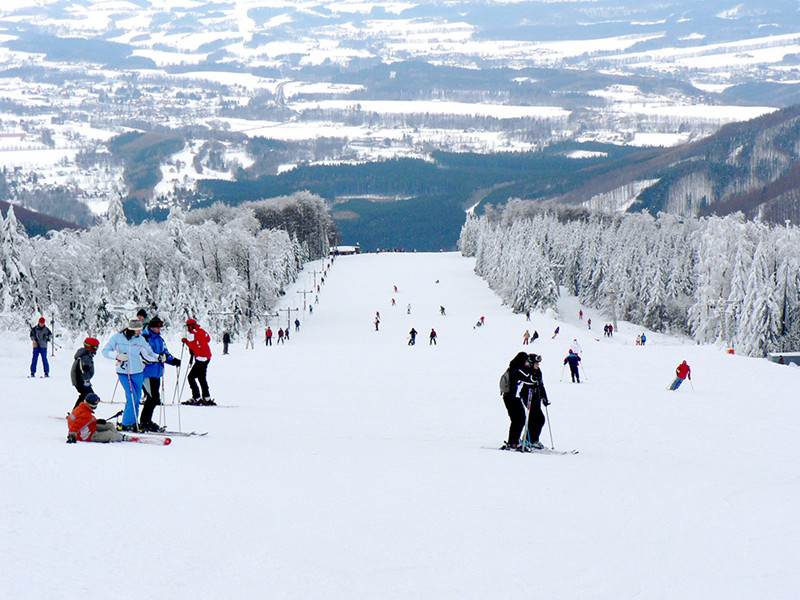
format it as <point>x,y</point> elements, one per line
<point>130,351</point>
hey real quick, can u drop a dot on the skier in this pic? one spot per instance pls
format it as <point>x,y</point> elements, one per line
<point>526,337</point>
<point>573,359</point>
<point>84,427</point>
<point>610,330</point>
<point>395,289</point>
<point>249,343</point>
<point>575,347</point>
<point>153,374</point>
<point>130,351</point>
<point>441,310</point>
<point>377,323</point>
<point>580,315</point>
<point>311,308</point>
<point>226,340</point>
<point>393,302</point>
<point>413,337</point>
<point>644,339</point>
<point>527,315</point>
<point>432,337</point>
<point>518,371</point>
<point>538,397</point>
<point>589,322</point>
<point>408,309</point>
<point>280,336</point>
<point>197,342</point>
<point>40,336</point>
<point>555,333</point>
<point>481,321</point>
<point>268,336</point>
<point>286,333</point>
<point>535,336</point>
<point>682,373</point>
<point>638,340</point>
<point>297,324</point>
<point>83,369</point>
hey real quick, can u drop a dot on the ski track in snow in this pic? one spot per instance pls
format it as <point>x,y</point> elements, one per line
<point>354,468</point>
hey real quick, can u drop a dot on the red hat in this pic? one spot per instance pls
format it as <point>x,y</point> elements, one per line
<point>41,320</point>
<point>191,323</point>
<point>91,343</point>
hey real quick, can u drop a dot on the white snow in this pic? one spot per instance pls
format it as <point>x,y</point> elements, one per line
<point>354,465</point>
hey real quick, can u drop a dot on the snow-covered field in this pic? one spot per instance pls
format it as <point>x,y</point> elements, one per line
<point>356,466</point>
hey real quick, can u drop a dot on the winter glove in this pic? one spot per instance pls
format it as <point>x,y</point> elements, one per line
<point>122,357</point>
<point>545,401</point>
<point>162,358</point>
<point>184,340</point>
<point>101,421</point>
<point>72,437</point>
<point>176,362</point>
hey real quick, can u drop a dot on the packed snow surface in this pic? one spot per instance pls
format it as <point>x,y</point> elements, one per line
<point>352,465</point>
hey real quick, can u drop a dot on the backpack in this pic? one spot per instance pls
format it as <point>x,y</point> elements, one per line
<point>505,382</point>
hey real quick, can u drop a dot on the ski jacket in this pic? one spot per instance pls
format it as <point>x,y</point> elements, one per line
<point>158,346</point>
<point>40,335</point>
<point>198,344</point>
<point>137,349</point>
<point>83,422</point>
<point>683,371</point>
<point>575,348</point>
<point>82,368</point>
<point>573,360</point>
<point>534,384</point>
<point>269,333</point>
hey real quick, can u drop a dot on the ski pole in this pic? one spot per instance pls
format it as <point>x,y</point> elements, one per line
<point>550,431</point>
<point>178,376</point>
<point>691,384</point>
<point>524,441</point>
<point>114,393</point>
<point>562,372</point>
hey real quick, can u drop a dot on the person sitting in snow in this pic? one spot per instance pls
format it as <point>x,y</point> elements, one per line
<point>84,427</point>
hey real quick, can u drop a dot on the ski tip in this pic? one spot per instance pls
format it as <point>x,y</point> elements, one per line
<point>167,441</point>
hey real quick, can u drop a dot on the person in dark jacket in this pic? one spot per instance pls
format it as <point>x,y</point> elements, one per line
<point>83,368</point>
<point>573,359</point>
<point>412,339</point>
<point>518,372</point>
<point>40,336</point>
<point>226,340</point>
<point>538,397</point>
<point>153,373</point>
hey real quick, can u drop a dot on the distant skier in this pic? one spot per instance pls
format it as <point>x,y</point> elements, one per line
<point>286,333</point>
<point>249,342</point>
<point>526,337</point>
<point>644,339</point>
<point>83,368</point>
<point>682,373</point>
<point>638,340</point>
<point>393,302</point>
<point>412,337</point>
<point>84,427</point>
<point>198,343</point>
<point>297,324</point>
<point>535,336</point>
<point>226,340</point>
<point>527,315</point>
<point>268,336</point>
<point>575,347</point>
<point>589,322</point>
<point>432,337</point>
<point>130,351</point>
<point>441,310</point>
<point>395,289</point>
<point>555,333</point>
<point>154,373</point>
<point>481,321</point>
<point>40,336</point>
<point>280,336</point>
<point>573,359</point>
<point>377,323</point>
<point>408,309</point>
<point>580,315</point>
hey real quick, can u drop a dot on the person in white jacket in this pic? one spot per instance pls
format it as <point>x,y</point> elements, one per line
<point>131,353</point>
<point>575,347</point>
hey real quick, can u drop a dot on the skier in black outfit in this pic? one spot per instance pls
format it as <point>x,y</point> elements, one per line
<point>539,396</point>
<point>413,337</point>
<point>518,372</point>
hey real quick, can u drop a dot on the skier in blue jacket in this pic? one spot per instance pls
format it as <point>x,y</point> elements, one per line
<point>153,373</point>
<point>131,352</point>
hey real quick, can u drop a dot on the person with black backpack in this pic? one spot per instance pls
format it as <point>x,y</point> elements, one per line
<point>518,372</point>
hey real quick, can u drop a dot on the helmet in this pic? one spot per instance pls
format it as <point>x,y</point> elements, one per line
<point>191,323</point>
<point>41,320</point>
<point>91,343</point>
<point>92,400</point>
<point>534,358</point>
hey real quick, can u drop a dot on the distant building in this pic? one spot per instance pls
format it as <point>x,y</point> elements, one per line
<point>344,250</point>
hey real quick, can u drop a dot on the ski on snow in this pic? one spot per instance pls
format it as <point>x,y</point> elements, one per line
<point>157,441</point>
<point>534,450</point>
<point>175,433</point>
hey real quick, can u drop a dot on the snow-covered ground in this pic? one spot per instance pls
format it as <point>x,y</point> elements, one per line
<point>356,466</point>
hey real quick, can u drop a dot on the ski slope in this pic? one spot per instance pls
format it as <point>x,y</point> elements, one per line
<point>356,466</point>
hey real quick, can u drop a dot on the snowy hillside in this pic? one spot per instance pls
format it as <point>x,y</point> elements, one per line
<point>355,466</point>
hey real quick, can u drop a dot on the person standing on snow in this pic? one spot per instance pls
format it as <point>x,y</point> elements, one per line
<point>518,372</point>
<point>198,344</point>
<point>130,351</point>
<point>82,369</point>
<point>280,335</point>
<point>268,336</point>
<point>573,359</point>
<point>432,337</point>
<point>84,427</point>
<point>413,337</point>
<point>575,347</point>
<point>40,336</point>
<point>526,337</point>
<point>682,373</point>
<point>249,342</point>
<point>226,340</point>
<point>538,397</point>
<point>153,373</point>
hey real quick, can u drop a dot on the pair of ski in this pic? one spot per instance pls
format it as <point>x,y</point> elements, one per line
<point>525,446</point>
<point>158,438</point>
<point>531,449</point>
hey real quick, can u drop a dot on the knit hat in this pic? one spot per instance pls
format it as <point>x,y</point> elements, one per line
<point>191,323</point>
<point>534,358</point>
<point>135,325</point>
<point>141,313</point>
<point>91,343</point>
<point>92,400</point>
<point>156,322</point>
<point>41,320</point>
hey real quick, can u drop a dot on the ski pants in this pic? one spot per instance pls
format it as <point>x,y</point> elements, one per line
<point>37,352</point>
<point>152,397</point>
<point>197,374</point>
<point>516,412</point>
<point>106,432</point>
<point>132,385</point>
<point>269,341</point>
<point>83,391</point>
<point>535,421</point>
<point>576,378</point>
<point>676,383</point>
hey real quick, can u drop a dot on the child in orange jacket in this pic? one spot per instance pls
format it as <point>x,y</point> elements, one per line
<point>84,427</point>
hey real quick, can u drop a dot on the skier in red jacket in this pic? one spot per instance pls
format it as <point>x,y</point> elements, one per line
<point>197,342</point>
<point>681,373</point>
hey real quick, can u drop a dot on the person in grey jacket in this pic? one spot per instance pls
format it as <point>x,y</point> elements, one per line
<point>83,369</point>
<point>40,336</point>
